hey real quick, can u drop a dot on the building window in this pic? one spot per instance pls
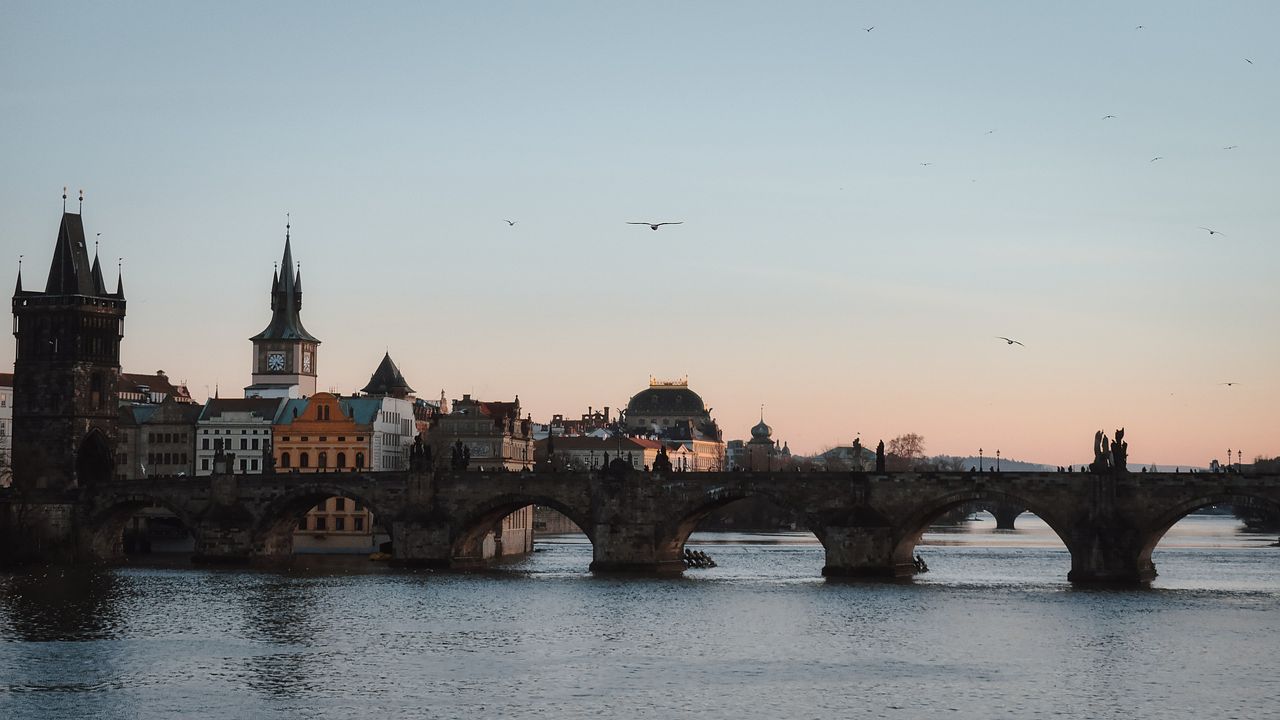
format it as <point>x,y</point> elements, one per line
<point>304,460</point>
<point>284,460</point>
<point>339,523</point>
<point>204,464</point>
<point>244,465</point>
<point>244,444</point>
<point>320,523</point>
<point>359,460</point>
<point>342,460</point>
<point>340,504</point>
<point>255,443</point>
<point>324,459</point>
<point>357,524</point>
<point>204,444</point>
<point>254,465</point>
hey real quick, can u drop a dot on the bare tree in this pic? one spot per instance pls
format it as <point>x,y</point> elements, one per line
<point>904,452</point>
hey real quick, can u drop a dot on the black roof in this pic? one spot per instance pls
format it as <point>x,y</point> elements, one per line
<point>672,399</point>
<point>387,379</point>
<point>286,304</point>
<point>70,272</point>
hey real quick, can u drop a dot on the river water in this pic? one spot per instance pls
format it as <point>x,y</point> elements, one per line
<point>992,631</point>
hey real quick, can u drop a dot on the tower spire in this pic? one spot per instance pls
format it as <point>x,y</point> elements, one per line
<point>81,210</point>
<point>120,278</point>
<point>64,198</point>
<point>19,290</point>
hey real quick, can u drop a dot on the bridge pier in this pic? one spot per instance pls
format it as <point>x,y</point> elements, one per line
<point>1006,514</point>
<point>866,552</point>
<point>38,533</point>
<point>1110,558</point>
<point>633,548</point>
<point>421,544</point>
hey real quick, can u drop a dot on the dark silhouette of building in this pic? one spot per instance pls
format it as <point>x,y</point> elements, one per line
<point>67,369</point>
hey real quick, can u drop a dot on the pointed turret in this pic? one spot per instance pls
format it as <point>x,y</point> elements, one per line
<point>286,302</point>
<point>99,285</point>
<point>18,291</point>
<point>387,380</point>
<point>70,272</point>
<point>120,283</point>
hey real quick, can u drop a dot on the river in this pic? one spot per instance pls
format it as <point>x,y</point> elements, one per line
<point>992,631</point>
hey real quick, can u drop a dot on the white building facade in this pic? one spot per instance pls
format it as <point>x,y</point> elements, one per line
<point>241,427</point>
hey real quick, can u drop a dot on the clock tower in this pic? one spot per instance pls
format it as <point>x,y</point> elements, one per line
<point>284,354</point>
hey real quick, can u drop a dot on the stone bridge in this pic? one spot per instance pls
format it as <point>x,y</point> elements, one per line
<point>868,523</point>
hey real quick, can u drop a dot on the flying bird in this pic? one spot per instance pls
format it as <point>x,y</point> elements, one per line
<point>1211,231</point>
<point>510,223</point>
<point>1248,61</point>
<point>873,27</point>
<point>1229,384</point>
<point>1231,147</point>
<point>926,164</point>
<point>1139,27</point>
<point>655,226</point>
<point>1158,157</point>
<point>1107,117</point>
<point>1010,341</point>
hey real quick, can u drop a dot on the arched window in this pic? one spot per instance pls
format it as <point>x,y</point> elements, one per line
<point>360,460</point>
<point>284,459</point>
<point>324,459</point>
<point>304,460</point>
<point>342,460</point>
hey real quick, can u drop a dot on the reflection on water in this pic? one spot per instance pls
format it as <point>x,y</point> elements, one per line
<point>992,630</point>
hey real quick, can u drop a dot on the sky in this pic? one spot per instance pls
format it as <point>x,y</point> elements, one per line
<point>863,211</point>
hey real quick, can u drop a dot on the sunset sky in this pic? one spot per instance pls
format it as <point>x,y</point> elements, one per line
<point>863,211</point>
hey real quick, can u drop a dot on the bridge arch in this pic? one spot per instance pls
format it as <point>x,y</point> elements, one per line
<point>671,540</point>
<point>278,519</point>
<point>468,532</point>
<point>1165,520</point>
<point>917,521</point>
<point>105,525</point>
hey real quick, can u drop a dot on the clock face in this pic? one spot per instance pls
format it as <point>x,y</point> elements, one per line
<point>275,361</point>
<point>306,361</point>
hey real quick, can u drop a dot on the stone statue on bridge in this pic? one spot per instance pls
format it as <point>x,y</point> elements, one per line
<point>1108,455</point>
<point>420,455</point>
<point>662,463</point>
<point>880,457</point>
<point>1120,452</point>
<point>461,456</point>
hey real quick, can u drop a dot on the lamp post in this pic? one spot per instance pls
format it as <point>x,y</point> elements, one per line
<point>980,461</point>
<point>997,461</point>
<point>1239,459</point>
<point>1228,459</point>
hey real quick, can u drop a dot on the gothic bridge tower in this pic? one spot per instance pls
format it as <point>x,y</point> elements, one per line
<point>284,354</point>
<point>66,369</point>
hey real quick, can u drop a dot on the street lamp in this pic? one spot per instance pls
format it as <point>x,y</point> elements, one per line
<point>980,468</point>
<point>1228,459</point>
<point>1239,460</point>
<point>997,461</point>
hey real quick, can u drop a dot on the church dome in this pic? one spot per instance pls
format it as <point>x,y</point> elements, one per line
<point>761,431</point>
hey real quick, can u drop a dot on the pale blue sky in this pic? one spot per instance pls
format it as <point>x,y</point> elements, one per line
<point>821,270</point>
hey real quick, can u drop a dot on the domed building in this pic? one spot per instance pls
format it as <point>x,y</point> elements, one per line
<point>762,451</point>
<point>671,412</point>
